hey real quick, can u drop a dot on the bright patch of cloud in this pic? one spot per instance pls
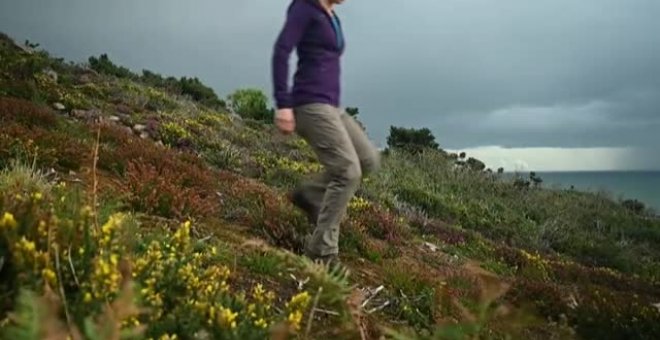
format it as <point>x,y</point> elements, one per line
<point>555,159</point>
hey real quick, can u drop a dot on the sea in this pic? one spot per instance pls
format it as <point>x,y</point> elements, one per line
<point>643,186</point>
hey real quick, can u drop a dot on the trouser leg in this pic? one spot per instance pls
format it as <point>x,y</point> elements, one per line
<point>323,127</point>
<point>314,188</point>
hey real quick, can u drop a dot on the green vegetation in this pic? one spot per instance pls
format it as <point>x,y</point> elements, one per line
<point>107,234</point>
<point>192,87</point>
<point>411,139</point>
<point>251,103</point>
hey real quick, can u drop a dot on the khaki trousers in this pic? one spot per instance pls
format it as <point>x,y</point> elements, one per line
<point>347,155</point>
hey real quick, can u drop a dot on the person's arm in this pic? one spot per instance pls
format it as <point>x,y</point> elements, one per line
<point>294,27</point>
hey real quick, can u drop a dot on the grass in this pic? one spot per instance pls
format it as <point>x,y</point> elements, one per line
<point>262,264</point>
<point>195,236</point>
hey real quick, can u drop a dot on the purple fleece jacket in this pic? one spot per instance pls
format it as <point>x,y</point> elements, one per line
<point>308,29</point>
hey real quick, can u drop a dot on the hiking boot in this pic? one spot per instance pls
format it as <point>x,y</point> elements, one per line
<point>297,198</point>
<point>330,260</point>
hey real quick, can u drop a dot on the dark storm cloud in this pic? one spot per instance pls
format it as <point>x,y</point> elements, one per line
<point>555,73</point>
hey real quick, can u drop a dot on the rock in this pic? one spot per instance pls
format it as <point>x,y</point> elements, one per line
<point>125,119</point>
<point>59,106</point>
<point>128,130</point>
<point>432,247</point>
<point>122,108</point>
<point>78,113</point>
<point>144,135</point>
<point>52,75</point>
<point>139,127</point>
<point>86,114</point>
<point>114,119</point>
<point>160,143</point>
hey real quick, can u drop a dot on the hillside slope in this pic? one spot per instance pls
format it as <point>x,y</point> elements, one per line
<point>138,203</point>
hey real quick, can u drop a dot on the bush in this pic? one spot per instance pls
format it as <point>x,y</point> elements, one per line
<point>28,137</point>
<point>25,113</point>
<point>252,104</point>
<point>19,73</point>
<point>199,92</point>
<point>166,193</point>
<point>377,222</point>
<point>173,134</point>
<point>104,65</point>
<point>595,312</point>
<point>430,203</point>
<point>634,205</point>
<point>410,139</point>
<point>192,87</point>
<point>52,245</point>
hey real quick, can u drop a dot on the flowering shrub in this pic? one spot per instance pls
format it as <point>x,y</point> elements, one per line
<point>447,234</point>
<point>571,272</point>
<point>164,192</point>
<point>376,221</point>
<point>27,131</point>
<point>214,120</point>
<point>172,133</point>
<point>282,170</point>
<point>51,241</point>
<point>52,148</point>
<point>205,301</point>
<point>601,302</point>
<point>25,113</point>
<point>595,312</point>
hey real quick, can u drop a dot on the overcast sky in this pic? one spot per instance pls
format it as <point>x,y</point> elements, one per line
<point>538,82</point>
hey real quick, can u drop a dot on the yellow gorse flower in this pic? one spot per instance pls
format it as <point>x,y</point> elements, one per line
<point>49,275</point>
<point>299,301</point>
<point>106,277</point>
<point>227,318</point>
<point>8,221</point>
<point>27,246</point>
<point>294,319</point>
<point>261,323</point>
<point>182,236</point>
<point>168,337</point>
<point>258,293</point>
<point>358,203</point>
<point>37,196</point>
<point>296,306</point>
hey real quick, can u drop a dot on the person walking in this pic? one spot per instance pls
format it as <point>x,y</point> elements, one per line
<point>311,108</point>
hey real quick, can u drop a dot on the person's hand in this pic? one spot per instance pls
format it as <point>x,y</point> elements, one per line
<point>285,121</point>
